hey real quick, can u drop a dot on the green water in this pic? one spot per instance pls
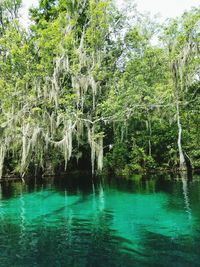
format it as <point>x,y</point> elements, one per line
<point>79,223</point>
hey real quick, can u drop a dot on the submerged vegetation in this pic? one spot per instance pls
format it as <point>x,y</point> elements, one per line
<point>87,81</point>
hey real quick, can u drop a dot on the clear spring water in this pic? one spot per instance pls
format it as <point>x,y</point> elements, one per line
<point>79,223</point>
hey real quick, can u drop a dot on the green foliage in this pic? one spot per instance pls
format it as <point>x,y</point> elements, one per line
<point>84,80</point>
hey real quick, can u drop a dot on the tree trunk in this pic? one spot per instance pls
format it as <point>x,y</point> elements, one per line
<point>182,162</point>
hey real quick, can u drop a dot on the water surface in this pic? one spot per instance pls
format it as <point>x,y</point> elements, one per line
<point>77,222</point>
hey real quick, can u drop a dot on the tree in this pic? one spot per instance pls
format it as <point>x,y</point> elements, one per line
<point>182,41</point>
<point>61,82</point>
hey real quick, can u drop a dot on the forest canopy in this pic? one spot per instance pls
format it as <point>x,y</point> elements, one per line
<point>86,87</point>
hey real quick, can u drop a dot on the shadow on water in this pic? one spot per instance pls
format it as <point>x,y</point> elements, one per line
<point>74,243</point>
<point>177,252</point>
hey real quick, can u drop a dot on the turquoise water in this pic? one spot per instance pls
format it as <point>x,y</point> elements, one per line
<point>77,222</point>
